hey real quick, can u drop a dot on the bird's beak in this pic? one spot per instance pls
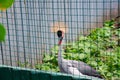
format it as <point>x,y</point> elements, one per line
<point>60,40</point>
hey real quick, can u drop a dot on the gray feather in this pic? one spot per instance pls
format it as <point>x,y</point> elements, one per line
<point>83,68</point>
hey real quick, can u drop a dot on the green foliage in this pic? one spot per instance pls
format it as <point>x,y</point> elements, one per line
<point>99,49</point>
<point>2,32</point>
<point>24,64</point>
<point>4,4</point>
<point>49,63</point>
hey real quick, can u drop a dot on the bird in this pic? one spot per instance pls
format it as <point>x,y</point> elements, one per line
<point>72,66</point>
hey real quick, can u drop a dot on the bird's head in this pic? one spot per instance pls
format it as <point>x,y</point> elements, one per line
<point>60,35</point>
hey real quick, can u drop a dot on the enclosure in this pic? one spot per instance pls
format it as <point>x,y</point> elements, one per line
<point>31,42</point>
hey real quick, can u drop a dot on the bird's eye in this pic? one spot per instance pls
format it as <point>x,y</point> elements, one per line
<point>59,33</point>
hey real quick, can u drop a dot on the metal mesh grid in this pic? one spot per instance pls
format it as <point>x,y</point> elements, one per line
<point>29,22</point>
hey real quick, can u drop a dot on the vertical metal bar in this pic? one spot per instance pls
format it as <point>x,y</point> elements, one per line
<point>46,28</point>
<point>30,32</point>
<point>65,15</point>
<point>111,10</point>
<point>118,7</point>
<point>36,31</point>
<point>9,38</point>
<point>49,34</point>
<point>2,53</point>
<point>40,21</point>
<point>53,15</point>
<point>103,10</point>
<point>38,34</point>
<point>77,2</point>
<point>17,37</point>
<point>45,21</point>
<point>13,45</point>
<point>24,51</point>
<point>33,30</point>
<point>83,15</point>
<point>27,5</point>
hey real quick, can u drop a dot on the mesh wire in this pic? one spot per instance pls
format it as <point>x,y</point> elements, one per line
<point>28,24</point>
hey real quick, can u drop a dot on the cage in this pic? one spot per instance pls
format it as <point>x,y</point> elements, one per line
<point>31,45</point>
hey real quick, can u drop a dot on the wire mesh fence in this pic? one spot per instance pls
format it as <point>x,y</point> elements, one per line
<point>32,27</point>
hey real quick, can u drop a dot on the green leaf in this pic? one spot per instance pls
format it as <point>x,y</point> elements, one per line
<point>93,63</point>
<point>82,56</point>
<point>4,4</point>
<point>109,74</point>
<point>2,32</point>
<point>109,23</point>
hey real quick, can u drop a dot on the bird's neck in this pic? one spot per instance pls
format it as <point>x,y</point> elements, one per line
<point>60,53</point>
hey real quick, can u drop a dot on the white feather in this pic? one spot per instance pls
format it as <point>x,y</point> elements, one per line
<point>74,71</point>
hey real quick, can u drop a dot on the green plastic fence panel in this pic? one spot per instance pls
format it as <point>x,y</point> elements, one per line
<point>21,74</point>
<point>40,76</point>
<point>5,73</point>
<point>17,73</point>
<point>60,77</point>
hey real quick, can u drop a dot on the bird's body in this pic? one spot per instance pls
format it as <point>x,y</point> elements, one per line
<point>74,67</point>
<point>77,68</point>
